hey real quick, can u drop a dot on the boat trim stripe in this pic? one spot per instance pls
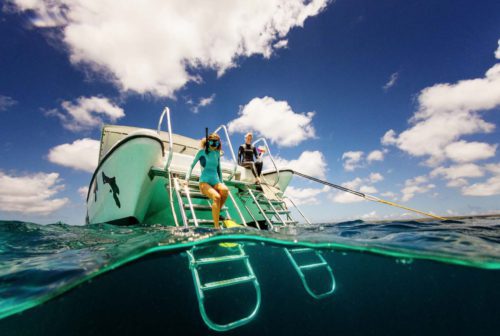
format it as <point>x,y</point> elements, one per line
<point>119,144</point>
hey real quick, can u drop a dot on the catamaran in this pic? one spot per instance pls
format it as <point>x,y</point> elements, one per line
<point>138,180</point>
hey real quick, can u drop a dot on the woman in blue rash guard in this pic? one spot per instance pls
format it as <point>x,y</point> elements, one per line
<point>211,183</point>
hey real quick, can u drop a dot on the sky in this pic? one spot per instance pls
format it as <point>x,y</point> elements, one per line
<point>397,99</point>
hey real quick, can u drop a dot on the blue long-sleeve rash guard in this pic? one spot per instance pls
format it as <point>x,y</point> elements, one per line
<point>211,172</point>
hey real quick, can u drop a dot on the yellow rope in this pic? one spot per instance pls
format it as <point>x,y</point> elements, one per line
<point>376,199</point>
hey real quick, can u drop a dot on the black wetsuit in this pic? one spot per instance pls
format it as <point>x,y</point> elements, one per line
<point>246,154</point>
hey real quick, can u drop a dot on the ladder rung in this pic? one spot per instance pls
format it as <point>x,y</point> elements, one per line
<point>300,250</point>
<point>284,222</point>
<point>235,257</point>
<point>313,265</point>
<point>202,207</point>
<point>203,221</point>
<point>228,282</point>
<point>278,211</point>
<point>194,194</point>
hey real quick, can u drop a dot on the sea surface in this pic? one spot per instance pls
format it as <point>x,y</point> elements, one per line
<point>378,278</point>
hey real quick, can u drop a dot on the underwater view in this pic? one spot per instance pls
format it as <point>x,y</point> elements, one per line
<point>390,278</point>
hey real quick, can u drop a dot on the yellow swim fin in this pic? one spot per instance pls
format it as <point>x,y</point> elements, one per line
<point>229,223</point>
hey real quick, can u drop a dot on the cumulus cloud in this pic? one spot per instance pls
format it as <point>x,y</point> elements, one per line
<point>82,154</point>
<point>86,113</point>
<point>364,185</point>
<point>311,163</point>
<point>389,138</point>
<point>417,185</point>
<point>274,120</point>
<point>392,81</point>
<point>375,177</point>
<point>497,53</point>
<point>31,194</point>
<point>376,155</point>
<point>345,197</point>
<point>356,159</point>
<point>463,151</point>
<point>203,102</point>
<point>489,187</point>
<point>458,171</point>
<point>446,112</point>
<point>6,102</point>
<point>83,191</point>
<point>302,196</point>
<point>352,160</point>
<point>154,46</point>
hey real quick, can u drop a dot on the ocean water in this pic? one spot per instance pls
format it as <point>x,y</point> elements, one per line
<point>390,278</point>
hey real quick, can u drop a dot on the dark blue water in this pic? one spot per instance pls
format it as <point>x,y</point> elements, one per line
<point>393,278</point>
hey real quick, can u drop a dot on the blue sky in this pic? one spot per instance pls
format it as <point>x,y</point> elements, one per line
<point>399,99</point>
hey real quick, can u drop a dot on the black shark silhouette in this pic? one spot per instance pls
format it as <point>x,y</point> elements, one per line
<point>114,187</point>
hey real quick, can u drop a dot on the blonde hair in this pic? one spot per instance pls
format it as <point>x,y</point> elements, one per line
<point>211,136</point>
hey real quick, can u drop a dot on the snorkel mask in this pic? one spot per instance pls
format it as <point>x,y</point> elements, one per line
<point>213,143</point>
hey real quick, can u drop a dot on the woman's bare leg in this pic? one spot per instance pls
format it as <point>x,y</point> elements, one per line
<point>213,194</point>
<point>223,192</point>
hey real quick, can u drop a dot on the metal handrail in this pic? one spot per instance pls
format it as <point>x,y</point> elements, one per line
<point>231,148</point>
<point>166,111</point>
<point>271,157</point>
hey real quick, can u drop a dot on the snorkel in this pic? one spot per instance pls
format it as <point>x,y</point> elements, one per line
<point>206,140</point>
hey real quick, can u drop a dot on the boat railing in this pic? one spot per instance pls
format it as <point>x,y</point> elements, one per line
<point>263,140</point>
<point>235,162</point>
<point>166,111</point>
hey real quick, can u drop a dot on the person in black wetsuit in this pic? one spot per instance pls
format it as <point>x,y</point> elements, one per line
<point>247,154</point>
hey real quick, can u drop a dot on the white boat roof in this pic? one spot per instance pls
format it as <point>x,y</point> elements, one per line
<point>112,134</point>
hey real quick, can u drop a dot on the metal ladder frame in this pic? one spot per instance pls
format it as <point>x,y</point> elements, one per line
<point>291,251</point>
<point>201,288</point>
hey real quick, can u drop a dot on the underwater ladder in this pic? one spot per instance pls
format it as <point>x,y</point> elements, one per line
<point>271,205</point>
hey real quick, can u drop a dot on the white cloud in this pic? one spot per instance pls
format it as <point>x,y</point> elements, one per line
<point>311,163</point>
<point>155,46</point>
<point>305,195</point>
<point>81,154</point>
<point>446,112</point>
<point>352,160</point>
<point>389,194</point>
<point>85,113</point>
<point>83,191</point>
<point>463,151</point>
<point>368,189</point>
<point>458,171</point>
<point>375,177</point>
<point>31,194</point>
<point>358,184</point>
<point>376,155</point>
<point>202,103</point>
<point>497,53</point>
<point>281,44</point>
<point>274,120</point>
<point>392,81</point>
<point>389,138</point>
<point>370,216</point>
<point>417,185</point>
<point>6,102</point>
<point>488,188</point>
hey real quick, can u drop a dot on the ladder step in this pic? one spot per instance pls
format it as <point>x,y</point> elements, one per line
<point>300,250</point>
<point>284,212</point>
<point>313,265</point>
<point>194,194</point>
<point>202,207</point>
<point>212,260</point>
<point>203,221</point>
<point>285,222</point>
<point>228,282</point>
